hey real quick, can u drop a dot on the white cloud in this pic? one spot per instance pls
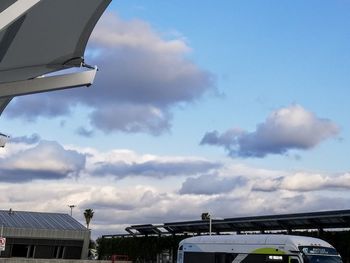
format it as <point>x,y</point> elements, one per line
<point>209,184</point>
<point>136,33</point>
<point>120,164</point>
<point>46,160</point>
<point>131,118</point>
<point>302,182</point>
<point>285,129</point>
<point>157,169</point>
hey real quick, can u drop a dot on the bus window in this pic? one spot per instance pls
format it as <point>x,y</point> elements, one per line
<point>224,257</point>
<point>230,257</point>
<point>320,254</point>
<point>323,259</point>
<point>294,260</point>
<point>197,257</point>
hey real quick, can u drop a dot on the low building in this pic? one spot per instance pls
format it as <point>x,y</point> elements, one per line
<point>43,235</point>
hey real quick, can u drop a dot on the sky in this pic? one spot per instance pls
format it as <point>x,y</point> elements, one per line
<point>236,108</point>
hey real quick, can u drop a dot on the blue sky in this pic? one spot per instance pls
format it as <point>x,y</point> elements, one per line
<point>197,107</point>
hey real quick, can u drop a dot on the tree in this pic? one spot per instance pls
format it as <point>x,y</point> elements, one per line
<point>88,214</point>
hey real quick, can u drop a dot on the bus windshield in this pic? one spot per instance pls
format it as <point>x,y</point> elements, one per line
<point>322,259</point>
<point>320,255</point>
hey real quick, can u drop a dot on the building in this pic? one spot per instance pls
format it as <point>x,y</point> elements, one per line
<point>43,235</point>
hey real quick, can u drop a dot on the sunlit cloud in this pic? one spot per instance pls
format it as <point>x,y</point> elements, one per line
<point>289,128</point>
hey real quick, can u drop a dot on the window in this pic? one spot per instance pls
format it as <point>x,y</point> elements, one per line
<point>199,257</point>
<point>19,251</point>
<point>323,259</point>
<point>224,257</point>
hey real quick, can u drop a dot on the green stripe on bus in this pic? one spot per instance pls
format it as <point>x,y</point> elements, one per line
<point>267,250</point>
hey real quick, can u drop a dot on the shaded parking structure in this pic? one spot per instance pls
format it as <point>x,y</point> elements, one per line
<point>339,219</point>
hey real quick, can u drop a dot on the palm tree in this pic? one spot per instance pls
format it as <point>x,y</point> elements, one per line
<point>88,214</point>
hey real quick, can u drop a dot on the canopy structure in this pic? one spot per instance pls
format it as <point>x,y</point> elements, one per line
<point>38,37</point>
<point>338,219</point>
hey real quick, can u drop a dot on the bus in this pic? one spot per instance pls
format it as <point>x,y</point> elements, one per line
<point>256,249</point>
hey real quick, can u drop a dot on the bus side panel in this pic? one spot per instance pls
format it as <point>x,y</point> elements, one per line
<point>263,258</point>
<point>207,257</point>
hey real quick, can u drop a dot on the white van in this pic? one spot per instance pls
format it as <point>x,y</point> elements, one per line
<point>256,249</point>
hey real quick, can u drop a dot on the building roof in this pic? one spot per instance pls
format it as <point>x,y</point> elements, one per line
<point>289,222</point>
<point>38,220</point>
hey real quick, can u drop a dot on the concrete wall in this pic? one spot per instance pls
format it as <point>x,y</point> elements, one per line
<point>54,234</point>
<point>46,233</point>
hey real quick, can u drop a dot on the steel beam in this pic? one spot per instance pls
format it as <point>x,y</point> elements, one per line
<point>44,84</point>
<point>14,11</point>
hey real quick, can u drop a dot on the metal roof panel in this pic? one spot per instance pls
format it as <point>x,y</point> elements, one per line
<point>39,220</point>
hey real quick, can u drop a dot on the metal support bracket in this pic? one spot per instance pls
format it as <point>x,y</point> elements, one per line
<point>44,84</point>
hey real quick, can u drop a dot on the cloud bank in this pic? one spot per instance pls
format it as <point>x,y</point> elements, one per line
<point>155,168</point>
<point>124,187</point>
<point>210,184</point>
<point>290,128</point>
<point>46,160</point>
<point>303,182</point>
<point>142,77</point>
<point>27,159</point>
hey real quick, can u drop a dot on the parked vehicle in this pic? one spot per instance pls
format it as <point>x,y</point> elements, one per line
<point>256,249</point>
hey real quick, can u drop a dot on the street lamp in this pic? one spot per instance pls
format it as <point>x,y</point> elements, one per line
<point>206,216</point>
<point>71,209</point>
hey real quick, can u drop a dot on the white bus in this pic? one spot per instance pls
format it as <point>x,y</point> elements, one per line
<point>256,249</point>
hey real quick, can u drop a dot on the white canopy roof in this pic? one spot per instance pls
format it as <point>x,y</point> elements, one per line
<point>50,36</point>
<point>42,36</point>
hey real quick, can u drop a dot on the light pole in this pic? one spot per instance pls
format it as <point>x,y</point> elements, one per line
<point>206,216</point>
<point>71,209</point>
<point>209,225</point>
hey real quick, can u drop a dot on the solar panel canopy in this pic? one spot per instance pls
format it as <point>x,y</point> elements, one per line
<point>314,220</point>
